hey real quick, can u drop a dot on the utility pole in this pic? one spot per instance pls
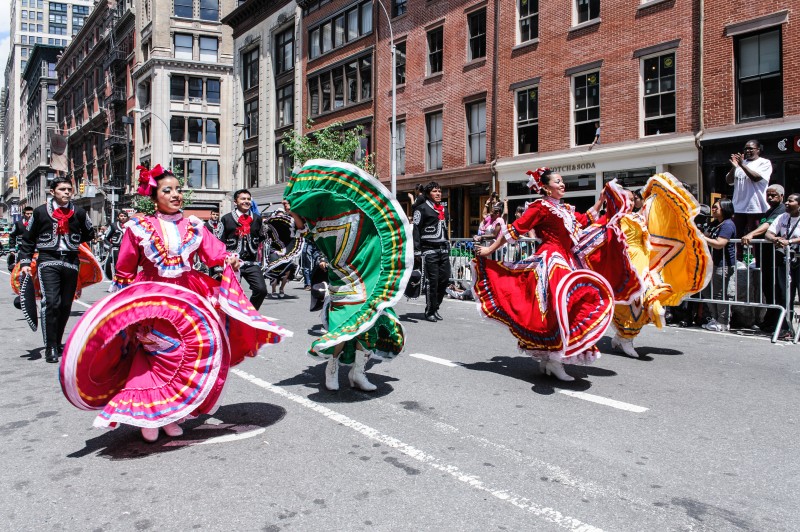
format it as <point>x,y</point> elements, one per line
<point>128,121</point>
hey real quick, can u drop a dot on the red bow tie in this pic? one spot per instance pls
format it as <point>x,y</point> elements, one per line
<point>244,225</point>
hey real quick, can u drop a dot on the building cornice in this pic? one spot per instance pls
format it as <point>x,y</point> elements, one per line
<point>250,13</point>
<point>170,62</point>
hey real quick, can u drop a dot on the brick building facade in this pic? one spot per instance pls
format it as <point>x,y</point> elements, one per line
<point>750,78</point>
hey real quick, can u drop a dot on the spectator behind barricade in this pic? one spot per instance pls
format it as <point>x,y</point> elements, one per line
<point>785,234</point>
<point>765,255</point>
<point>723,254</point>
<point>491,225</point>
<point>749,175</point>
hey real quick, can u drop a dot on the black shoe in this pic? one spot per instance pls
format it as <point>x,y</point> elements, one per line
<point>61,350</point>
<point>51,355</point>
<point>437,316</point>
<point>431,318</point>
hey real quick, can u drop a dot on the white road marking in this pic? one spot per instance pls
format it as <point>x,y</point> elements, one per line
<point>578,395</point>
<point>435,360</point>
<point>218,439</point>
<point>548,514</point>
<point>81,303</point>
<point>604,401</point>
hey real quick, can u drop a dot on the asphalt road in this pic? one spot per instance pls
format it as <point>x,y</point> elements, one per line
<point>463,433</point>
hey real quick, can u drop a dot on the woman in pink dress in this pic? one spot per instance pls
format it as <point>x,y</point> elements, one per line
<point>159,350</point>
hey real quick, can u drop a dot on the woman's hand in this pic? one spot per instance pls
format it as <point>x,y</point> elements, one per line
<point>233,260</point>
<point>482,251</point>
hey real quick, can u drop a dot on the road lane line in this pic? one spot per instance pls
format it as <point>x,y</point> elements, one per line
<point>604,401</point>
<point>81,303</point>
<point>435,360</point>
<point>548,514</point>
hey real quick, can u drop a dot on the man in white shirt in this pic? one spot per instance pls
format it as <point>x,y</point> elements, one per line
<point>749,175</point>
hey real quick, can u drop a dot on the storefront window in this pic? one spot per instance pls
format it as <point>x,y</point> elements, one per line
<point>632,179</point>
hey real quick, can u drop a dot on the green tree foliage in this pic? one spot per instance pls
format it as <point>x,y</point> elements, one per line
<point>331,142</point>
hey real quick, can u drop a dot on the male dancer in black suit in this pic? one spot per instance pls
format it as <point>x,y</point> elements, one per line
<point>243,233</point>
<point>56,230</point>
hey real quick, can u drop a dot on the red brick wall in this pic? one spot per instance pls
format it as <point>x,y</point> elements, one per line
<point>719,82</point>
<point>622,30</point>
<point>460,79</point>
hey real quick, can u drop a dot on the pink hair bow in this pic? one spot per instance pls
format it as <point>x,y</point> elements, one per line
<point>535,181</point>
<point>147,179</point>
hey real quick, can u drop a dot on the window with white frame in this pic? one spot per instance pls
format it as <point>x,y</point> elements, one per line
<point>587,10</point>
<point>528,120</point>
<point>528,20</point>
<point>399,7</point>
<point>401,147</point>
<point>476,132</point>
<point>433,134</point>
<point>476,25</point>
<point>586,97</point>
<point>183,46</point>
<point>435,50</point>
<point>759,77</point>
<point>340,29</point>
<point>341,86</point>
<point>658,76</point>
<point>208,49</point>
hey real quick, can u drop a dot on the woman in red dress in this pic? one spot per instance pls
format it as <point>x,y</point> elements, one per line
<point>554,305</point>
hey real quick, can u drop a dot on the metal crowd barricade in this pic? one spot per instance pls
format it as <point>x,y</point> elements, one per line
<point>462,251</point>
<point>747,288</point>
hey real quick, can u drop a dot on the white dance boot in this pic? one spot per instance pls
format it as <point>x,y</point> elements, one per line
<point>556,369</point>
<point>150,434</point>
<point>173,429</point>
<point>332,374</point>
<point>358,379</point>
<point>625,345</point>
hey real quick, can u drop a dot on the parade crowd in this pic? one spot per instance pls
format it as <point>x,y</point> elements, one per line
<point>158,348</point>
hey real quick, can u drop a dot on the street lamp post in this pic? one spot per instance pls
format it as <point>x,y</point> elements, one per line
<point>136,110</point>
<point>394,100</point>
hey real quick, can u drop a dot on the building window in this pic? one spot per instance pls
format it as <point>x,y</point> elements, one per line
<point>283,163</point>
<point>341,86</point>
<point>183,8</point>
<point>528,20</point>
<point>400,63</point>
<point>284,52</point>
<point>209,10</point>
<point>212,131</point>
<point>401,148</point>
<point>399,7</point>
<point>23,52</point>
<point>587,10</point>
<point>51,113</point>
<point>284,97</point>
<point>251,168</point>
<point>250,119</point>
<point>477,35</point>
<point>528,120</point>
<point>212,174</point>
<point>194,173</point>
<point>212,91</point>
<point>435,52</point>
<point>659,94</point>
<point>177,128</point>
<point>194,130</point>
<point>195,90</point>
<point>759,78</point>
<point>586,93</point>
<point>250,69</point>
<point>476,132</point>
<point>340,29</point>
<point>433,133</point>
<point>208,49</point>
<point>177,88</point>
<point>183,46</point>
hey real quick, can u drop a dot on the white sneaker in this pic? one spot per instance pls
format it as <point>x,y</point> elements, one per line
<point>713,326</point>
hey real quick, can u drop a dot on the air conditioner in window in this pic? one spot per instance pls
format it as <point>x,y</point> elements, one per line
<point>195,99</point>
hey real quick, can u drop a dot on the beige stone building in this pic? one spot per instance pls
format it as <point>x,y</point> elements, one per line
<point>266,94</point>
<point>183,85</point>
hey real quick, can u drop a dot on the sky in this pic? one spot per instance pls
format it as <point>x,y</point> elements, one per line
<point>5,35</point>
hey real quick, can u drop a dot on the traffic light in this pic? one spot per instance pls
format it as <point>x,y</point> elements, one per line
<point>82,187</point>
<point>12,182</point>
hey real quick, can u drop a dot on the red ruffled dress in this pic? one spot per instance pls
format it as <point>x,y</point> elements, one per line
<point>553,303</point>
<point>160,349</point>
